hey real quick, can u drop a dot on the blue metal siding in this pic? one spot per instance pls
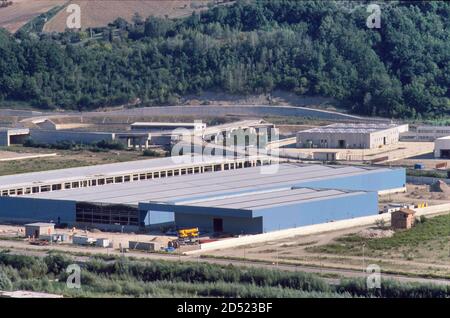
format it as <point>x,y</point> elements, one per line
<point>320,211</point>
<point>4,142</point>
<point>152,218</point>
<point>207,211</point>
<point>230,224</point>
<point>30,210</point>
<point>371,181</point>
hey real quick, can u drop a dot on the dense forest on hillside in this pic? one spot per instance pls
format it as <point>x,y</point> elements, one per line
<point>308,47</point>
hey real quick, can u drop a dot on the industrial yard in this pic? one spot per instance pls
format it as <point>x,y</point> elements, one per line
<point>284,206</point>
<point>418,252</point>
<point>254,150</point>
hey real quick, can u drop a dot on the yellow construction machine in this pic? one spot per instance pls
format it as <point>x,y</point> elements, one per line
<point>186,236</point>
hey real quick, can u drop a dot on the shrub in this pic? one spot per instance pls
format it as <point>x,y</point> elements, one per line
<point>393,289</point>
<point>57,263</point>
<point>150,153</point>
<point>5,282</point>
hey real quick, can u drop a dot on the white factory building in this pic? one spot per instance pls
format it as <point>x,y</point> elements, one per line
<point>442,147</point>
<point>425,133</point>
<point>351,136</point>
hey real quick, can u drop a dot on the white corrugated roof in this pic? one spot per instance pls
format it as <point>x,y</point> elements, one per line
<point>66,175</point>
<point>197,186</point>
<point>350,128</point>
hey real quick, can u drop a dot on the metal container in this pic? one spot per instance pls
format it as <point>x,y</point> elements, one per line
<point>83,240</point>
<point>102,242</point>
<point>144,246</point>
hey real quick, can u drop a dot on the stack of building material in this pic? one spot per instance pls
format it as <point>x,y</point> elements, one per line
<point>83,240</point>
<point>145,246</point>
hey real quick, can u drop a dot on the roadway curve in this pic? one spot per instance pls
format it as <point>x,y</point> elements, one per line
<point>200,110</point>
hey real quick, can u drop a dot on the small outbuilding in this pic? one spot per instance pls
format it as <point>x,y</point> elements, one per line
<point>37,229</point>
<point>403,219</point>
<point>442,147</point>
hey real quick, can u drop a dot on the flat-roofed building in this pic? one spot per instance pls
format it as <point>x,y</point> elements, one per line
<point>122,172</point>
<point>237,199</point>
<point>425,133</point>
<point>442,147</point>
<point>344,136</point>
<point>39,228</point>
<point>13,136</point>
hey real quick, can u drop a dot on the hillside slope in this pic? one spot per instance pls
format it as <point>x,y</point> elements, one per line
<point>311,48</point>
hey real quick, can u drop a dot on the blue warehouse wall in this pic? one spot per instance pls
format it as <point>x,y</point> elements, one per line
<point>234,221</point>
<point>23,210</point>
<point>236,225</point>
<point>372,181</point>
<point>320,211</point>
<point>154,218</point>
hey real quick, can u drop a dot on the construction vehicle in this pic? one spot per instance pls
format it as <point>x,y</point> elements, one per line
<point>188,233</point>
<point>421,205</point>
<point>186,237</point>
<point>392,207</point>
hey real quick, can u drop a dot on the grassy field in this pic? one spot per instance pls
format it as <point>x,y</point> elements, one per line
<point>429,239</point>
<point>21,12</point>
<point>95,13</point>
<point>64,159</point>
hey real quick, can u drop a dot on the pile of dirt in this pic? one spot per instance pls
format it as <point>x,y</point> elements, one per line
<point>440,186</point>
<point>376,233</point>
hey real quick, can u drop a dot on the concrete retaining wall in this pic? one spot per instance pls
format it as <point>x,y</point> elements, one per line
<point>424,180</point>
<point>54,136</point>
<point>4,139</point>
<point>312,229</point>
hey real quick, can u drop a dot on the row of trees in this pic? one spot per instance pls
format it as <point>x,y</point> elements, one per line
<point>308,47</point>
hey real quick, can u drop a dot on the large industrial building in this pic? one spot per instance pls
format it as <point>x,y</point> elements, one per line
<point>243,201</point>
<point>344,136</point>
<point>425,133</point>
<point>123,172</point>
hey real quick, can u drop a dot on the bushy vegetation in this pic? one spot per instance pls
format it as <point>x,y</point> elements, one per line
<point>71,145</point>
<point>124,277</point>
<point>150,153</point>
<point>393,289</point>
<point>307,47</point>
<point>426,173</point>
<point>5,282</point>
